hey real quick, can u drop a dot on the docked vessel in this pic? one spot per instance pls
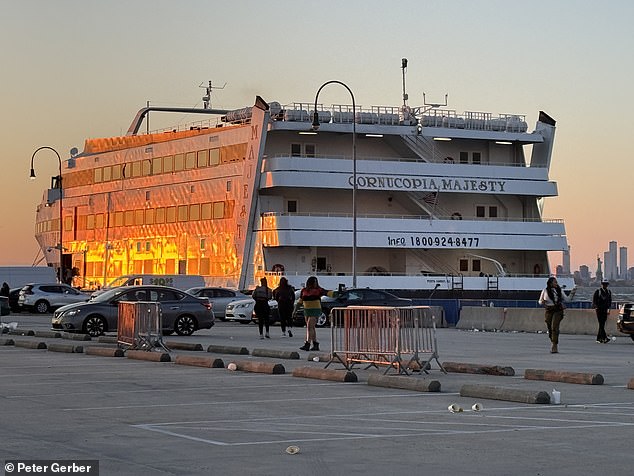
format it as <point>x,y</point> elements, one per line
<point>420,200</point>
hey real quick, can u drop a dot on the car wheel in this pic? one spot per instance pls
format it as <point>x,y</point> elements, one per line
<point>185,325</point>
<point>94,326</point>
<point>42,307</point>
<point>322,320</point>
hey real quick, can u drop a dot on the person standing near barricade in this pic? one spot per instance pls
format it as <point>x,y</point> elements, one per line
<point>602,302</point>
<point>262,294</point>
<point>310,298</point>
<point>284,294</point>
<point>553,298</point>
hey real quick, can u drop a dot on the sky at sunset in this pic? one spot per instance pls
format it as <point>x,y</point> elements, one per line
<point>74,69</point>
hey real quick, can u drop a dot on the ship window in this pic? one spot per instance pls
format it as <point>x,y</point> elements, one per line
<point>203,158</point>
<point>310,150</point>
<point>68,223</point>
<point>202,243</point>
<point>157,165</point>
<point>90,222</point>
<point>204,267</point>
<point>107,174</point>
<point>118,218</point>
<point>291,206</point>
<point>149,216</point>
<point>160,215</point>
<point>182,212</point>
<point>205,211</point>
<point>116,172</point>
<point>99,221</point>
<point>170,266</point>
<point>98,175</point>
<point>128,217</point>
<point>228,185</point>
<point>475,265</point>
<point>147,195</point>
<point>296,150</point>
<point>214,156</point>
<point>138,246</point>
<point>179,162</point>
<point>146,166</point>
<point>194,212</point>
<point>170,214</point>
<point>190,160</point>
<point>138,216</point>
<point>148,266</point>
<point>493,212</point>
<point>138,266</point>
<point>480,211</point>
<point>168,163</point>
<point>148,246</point>
<point>476,158</point>
<point>136,169</point>
<point>464,265</point>
<point>219,209</point>
<point>464,157</point>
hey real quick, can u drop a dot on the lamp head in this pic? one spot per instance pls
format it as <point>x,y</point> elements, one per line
<point>32,173</point>
<point>315,121</point>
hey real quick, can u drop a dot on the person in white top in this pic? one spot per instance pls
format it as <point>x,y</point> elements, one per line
<point>553,299</point>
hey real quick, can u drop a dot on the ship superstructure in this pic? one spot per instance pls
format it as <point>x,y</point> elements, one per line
<point>444,203</point>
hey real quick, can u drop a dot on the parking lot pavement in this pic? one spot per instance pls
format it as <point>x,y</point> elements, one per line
<point>137,417</point>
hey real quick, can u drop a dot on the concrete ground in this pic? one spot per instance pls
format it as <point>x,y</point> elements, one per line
<point>149,418</point>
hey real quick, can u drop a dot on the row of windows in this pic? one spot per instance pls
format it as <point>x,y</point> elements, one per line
<point>145,216</point>
<point>476,158</point>
<point>203,266</point>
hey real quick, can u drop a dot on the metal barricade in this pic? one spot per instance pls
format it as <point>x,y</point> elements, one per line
<point>140,325</point>
<point>396,337</point>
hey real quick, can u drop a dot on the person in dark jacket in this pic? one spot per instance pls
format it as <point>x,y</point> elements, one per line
<point>284,294</point>
<point>262,294</point>
<point>553,299</point>
<point>5,290</point>
<point>601,303</point>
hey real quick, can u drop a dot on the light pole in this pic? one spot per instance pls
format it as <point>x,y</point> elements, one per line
<point>61,194</point>
<point>354,171</point>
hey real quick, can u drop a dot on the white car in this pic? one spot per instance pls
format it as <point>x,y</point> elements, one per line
<point>242,311</point>
<point>43,298</point>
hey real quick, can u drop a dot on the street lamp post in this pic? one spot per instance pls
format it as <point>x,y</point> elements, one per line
<point>61,194</point>
<point>354,171</point>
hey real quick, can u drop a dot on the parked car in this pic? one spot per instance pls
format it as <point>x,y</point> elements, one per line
<point>242,311</point>
<point>625,321</point>
<point>351,297</point>
<point>181,312</point>
<point>43,298</point>
<point>219,298</point>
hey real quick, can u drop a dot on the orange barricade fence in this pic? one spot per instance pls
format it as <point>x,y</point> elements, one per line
<point>140,324</point>
<point>398,337</point>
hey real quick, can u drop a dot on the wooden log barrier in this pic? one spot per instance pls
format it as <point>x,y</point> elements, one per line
<point>276,354</point>
<point>184,346</point>
<point>68,348</point>
<point>226,349</point>
<point>465,368</point>
<point>407,383</point>
<point>21,332</point>
<point>107,340</point>
<point>197,361</point>
<point>507,394</point>
<point>103,351</point>
<point>325,374</point>
<point>260,367</point>
<point>630,384</point>
<point>4,341</point>
<point>30,344</point>
<point>320,357</point>
<point>561,376</point>
<point>150,356</point>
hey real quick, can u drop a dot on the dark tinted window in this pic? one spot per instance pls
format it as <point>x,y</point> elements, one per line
<point>50,289</point>
<point>165,295</point>
<point>224,293</point>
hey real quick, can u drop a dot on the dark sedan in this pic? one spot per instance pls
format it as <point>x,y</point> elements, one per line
<point>353,297</point>
<point>181,312</point>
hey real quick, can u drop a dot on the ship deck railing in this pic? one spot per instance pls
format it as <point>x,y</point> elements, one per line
<point>412,217</point>
<point>403,159</point>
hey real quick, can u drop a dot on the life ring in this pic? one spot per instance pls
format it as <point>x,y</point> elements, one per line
<point>537,269</point>
<point>456,216</point>
<point>278,268</point>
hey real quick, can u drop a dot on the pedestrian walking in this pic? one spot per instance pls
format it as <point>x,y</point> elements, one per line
<point>5,290</point>
<point>553,299</point>
<point>262,295</point>
<point>601,303</point>
<point>284,294</point>
<point>310,298</point>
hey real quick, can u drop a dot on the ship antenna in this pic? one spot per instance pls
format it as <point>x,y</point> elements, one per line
<point>404,68</point>
<point>207,96</point>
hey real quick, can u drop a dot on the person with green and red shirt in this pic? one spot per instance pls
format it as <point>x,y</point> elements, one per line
<point>310,298</point>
